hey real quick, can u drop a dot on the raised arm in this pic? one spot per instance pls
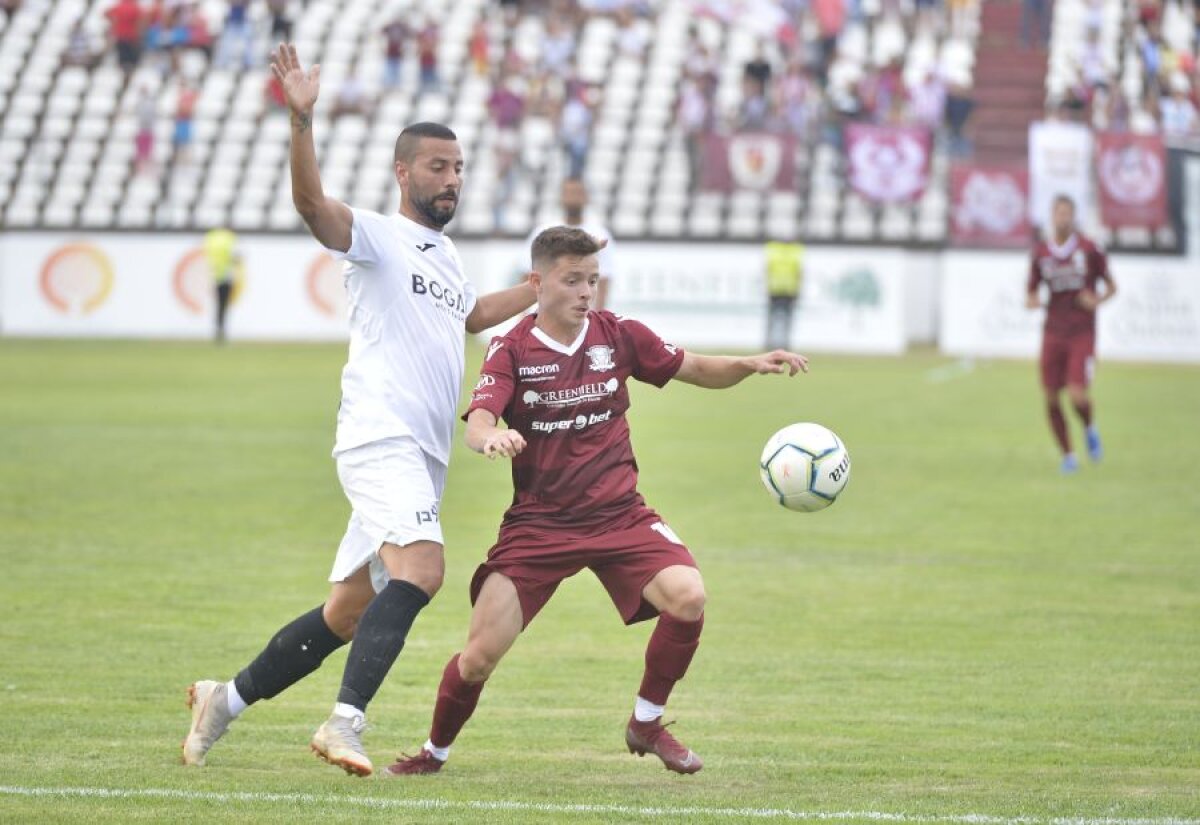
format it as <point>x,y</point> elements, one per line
<point>495,307</point>
<point>483,436</point>
<point>716,372</point>
<point>328,219</point>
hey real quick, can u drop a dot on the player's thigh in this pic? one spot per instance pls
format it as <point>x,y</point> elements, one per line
<point>1054,364</point>
<point>496,622</point>
<point>677,590</point>
<point>1081,364</point>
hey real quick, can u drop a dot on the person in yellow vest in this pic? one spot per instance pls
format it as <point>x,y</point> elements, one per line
<point>785,271</point>
<point>224,262</point>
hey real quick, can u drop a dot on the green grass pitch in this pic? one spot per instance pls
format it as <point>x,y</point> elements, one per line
<point>964,632</point>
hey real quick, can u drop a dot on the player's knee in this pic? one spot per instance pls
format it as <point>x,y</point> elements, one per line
<point>687,603</point>
<point>341,616</point>
<point>476,665</point>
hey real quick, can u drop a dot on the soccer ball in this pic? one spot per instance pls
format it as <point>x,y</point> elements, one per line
<point>805,466</point>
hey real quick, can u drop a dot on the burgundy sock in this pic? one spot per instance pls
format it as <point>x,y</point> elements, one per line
<point>1085,412</point>
<point>670,651</point>
<point>456,702</point>
<point>1058,423</point>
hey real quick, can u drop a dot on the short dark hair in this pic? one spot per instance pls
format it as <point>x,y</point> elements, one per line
<point>557,241</point>
<point>1063,197</point>
<point>406,144</point>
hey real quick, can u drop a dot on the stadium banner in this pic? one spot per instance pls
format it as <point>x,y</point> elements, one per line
<point>715,295</point>
<point>158,285</point>
<point>888,164</point>
<point>750,160</point>
<point>1155,315</point>
<point>1131,171</point>
<point>988,205</point>
<point>1060,163</point>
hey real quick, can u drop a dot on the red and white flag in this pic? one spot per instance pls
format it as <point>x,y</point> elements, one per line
<point>1132,170</point>
<point>753,160</point>
<point>988,205</point>
<point>888,164</point>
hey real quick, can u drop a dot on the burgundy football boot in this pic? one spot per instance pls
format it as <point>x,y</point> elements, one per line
<point>653,737</point>
<point>423,762</point>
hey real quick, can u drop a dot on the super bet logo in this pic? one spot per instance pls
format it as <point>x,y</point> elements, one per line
<point>76,279</point>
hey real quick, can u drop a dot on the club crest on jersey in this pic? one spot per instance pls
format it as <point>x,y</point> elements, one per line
<point>600,357</point>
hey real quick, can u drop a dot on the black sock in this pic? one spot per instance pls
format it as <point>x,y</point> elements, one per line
<point>379,640</point>
<point>296,651</point>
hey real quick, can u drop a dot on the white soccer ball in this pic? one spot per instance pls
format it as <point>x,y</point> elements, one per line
<point>805,466</point>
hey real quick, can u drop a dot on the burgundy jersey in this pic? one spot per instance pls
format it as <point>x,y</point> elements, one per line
<point>1075,265</point>
<point>569,403</point>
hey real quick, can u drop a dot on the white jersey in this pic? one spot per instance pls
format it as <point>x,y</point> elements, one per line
<point>408,301</point>
<point>606,258</point>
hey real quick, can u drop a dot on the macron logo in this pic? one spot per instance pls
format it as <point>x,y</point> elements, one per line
<point>425,247</point>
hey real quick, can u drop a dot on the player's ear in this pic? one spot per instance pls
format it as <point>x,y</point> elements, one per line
<point>535,281</point>
<point>401,172</point>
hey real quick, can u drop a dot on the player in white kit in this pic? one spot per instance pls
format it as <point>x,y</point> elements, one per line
<point>409,307</point>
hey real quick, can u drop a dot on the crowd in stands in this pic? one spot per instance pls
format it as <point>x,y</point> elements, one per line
<point>1149,83</point>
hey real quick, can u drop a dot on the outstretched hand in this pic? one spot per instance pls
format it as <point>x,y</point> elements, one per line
<point>778,361</point>
<point>300,88</point>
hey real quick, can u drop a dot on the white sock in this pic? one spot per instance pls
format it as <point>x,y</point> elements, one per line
<point>234,700</point>
<point>441,754</point>
<point>645,711</point>
<point>346,711</point>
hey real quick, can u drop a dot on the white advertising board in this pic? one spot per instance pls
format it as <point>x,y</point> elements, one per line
<point>1154,317</point>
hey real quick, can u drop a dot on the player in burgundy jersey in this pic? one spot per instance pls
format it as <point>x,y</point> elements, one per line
<point>558,380</point>
<point>1072,267</point>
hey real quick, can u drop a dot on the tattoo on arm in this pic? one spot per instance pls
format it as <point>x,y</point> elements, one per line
<point>302,122</point>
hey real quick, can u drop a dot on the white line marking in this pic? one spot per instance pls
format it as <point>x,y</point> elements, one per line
<point>949,372</point>
<point>391,803</point>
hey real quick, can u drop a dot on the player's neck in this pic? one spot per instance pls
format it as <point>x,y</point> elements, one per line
<point>1060,239</point>
<point>574,218</point>
<point>563,332</point>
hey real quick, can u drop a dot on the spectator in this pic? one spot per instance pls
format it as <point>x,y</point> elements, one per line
<point>281,21</point>
<point>237,38</point>
<point>125,31</point>
<point>1035,13</point>
<point>632,38</point>
<point>427,49</point>
<point>794,99</point>
<point>575,128</point>
<point>395,34</point>
<point>959,105</point>
<point>479,47</point>
<point>351,97</point>
<point>198,35</point>
<point>1093,17</point>
<point>80,49</point>
<point>274,95</point>
<point>9,8</point>
<point>831,18</point>
<point>1178,111</point>
<point>506,105</point>
<point>185,111</point>
<point>694,117</point>
<point>146,113</point>
<point>558,47</point>
<point>928,100</point>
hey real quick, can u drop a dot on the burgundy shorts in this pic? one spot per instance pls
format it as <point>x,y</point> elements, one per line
<point>625,557</point>
<point>1068,360</point>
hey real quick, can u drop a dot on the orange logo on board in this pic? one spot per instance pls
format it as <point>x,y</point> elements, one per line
<point>325,287</point>
<point>193,283</point>
<point>76,279</point>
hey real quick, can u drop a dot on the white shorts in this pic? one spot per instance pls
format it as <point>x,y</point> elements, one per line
<point>395,490</point>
